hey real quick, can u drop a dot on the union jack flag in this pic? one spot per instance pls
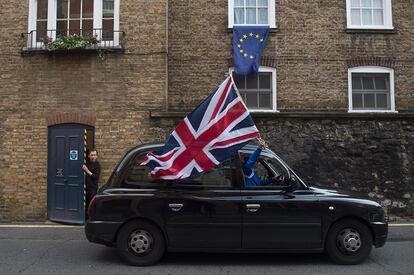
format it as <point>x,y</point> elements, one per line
<point>209,135</point>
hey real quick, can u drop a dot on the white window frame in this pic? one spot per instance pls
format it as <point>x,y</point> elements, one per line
<point>51,20</point>
<point>264,69</point>
<point>373,70</point>
<point>271,9</point>
<point>387,15</point>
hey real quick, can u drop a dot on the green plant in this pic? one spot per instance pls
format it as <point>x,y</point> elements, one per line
<point>69,42</point>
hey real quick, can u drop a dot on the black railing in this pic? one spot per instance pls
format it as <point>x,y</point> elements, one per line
<point>54,40</point>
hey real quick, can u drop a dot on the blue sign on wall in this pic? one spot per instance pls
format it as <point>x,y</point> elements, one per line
<point>73,154</point>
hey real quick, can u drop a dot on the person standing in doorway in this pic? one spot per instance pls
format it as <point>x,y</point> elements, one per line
<point>92,171</point>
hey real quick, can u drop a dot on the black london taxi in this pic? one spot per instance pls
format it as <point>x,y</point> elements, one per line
<point>215,212</point>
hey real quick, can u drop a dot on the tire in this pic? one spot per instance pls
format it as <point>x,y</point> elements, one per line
<point>349,242</point>
<point>140,243</point>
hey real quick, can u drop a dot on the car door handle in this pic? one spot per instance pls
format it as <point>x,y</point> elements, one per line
<point>175,206</point>
<point>252,207</point>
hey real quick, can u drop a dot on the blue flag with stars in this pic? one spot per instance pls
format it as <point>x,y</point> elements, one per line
<point>248,45</point>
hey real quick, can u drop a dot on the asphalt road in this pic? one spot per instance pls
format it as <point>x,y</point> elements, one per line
<point>66,251</point>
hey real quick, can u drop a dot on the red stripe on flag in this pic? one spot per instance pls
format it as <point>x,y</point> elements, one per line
<point>226,142</point>
<point>221,100</point>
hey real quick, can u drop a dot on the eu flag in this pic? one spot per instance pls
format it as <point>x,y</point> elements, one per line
<point>248,45</point>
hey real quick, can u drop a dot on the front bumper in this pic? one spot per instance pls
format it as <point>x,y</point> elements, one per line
<point>102,232</point>
<point>380,230</point>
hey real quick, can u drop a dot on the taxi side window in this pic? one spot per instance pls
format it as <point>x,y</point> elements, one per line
<point>265,167</point>
<point>219,176</point>
<point>137,174</point>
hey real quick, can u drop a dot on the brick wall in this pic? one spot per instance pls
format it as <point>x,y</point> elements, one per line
<point>119,91</point>
<point>311,48</point>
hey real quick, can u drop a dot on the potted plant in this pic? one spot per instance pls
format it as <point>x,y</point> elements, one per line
<point>70,42</point>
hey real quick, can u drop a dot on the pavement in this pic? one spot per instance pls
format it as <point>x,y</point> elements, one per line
<point>49,249</point>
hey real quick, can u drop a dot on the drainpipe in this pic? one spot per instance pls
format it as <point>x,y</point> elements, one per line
<point>166,55</point>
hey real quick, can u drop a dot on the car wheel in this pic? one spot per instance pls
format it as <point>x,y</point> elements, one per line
<point>140,243</point>
<point>348,242</point>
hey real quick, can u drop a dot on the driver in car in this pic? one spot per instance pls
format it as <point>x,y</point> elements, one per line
<point>251,177</point>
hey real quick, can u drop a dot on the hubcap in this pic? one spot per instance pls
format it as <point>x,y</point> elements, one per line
<point>349,240</point>
<point>140,241</point>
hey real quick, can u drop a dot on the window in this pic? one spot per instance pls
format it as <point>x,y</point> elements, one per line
<point>266,167</point>
<point>74,17</point>
<point>371,89</point>
<point>369,14</point>
<point>137,175</point>
<point>252,12</point>
<point>258,91</point>
<point>219,176</point>
<point>50,18</point>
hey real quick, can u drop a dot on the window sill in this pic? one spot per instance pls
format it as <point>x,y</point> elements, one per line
<point>271,30</point>
<point>116,49</point>
<point>300,114</point>
<point>373,111</point>
<point>366,30</point>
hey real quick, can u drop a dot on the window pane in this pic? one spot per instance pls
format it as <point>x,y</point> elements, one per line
<point>62,9</point>
<point>355,17</point>
<point>251,81</point>
<point>265,101</point>
<point>250,16</point>
<point>239,16</point>
<point>74,27</point>
<point>366,17</point>
<point>251,3</point>
<point>87,8</point>
<point>356,82</point>
<point>108,8</point>
<point>61,27</point>
<point>75,7</point>
<point>366,3</point>
<point>265,80</point>
<point>377,3</point>
<point>108,29</point>
<point>369,101</point>
<point>355,3</point>
<point>239,81</point>
<point>42,9</point>
<point>262,3</point>
<point>87,27</point>
<point>382,101</point>
<point>378,17</point>
<point>41,30</point>
<point>356,101</point>
<point>251,100</point>
<point>368,82</point>
<point>239,3</point>
<point>263,16</point>
<point>380,83</point>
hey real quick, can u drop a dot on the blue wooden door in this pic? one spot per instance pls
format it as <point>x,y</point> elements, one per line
<point>65,175</point>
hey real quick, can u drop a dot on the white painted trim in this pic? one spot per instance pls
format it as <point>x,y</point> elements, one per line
<point>371,69</point>
<point>274,89</point>
<point>271,15</point>
<point>31,24</point>
<point>116,21</point>
<point>388,24</point>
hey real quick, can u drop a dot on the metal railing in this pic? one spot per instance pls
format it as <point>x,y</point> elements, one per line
<point>98,38</point>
